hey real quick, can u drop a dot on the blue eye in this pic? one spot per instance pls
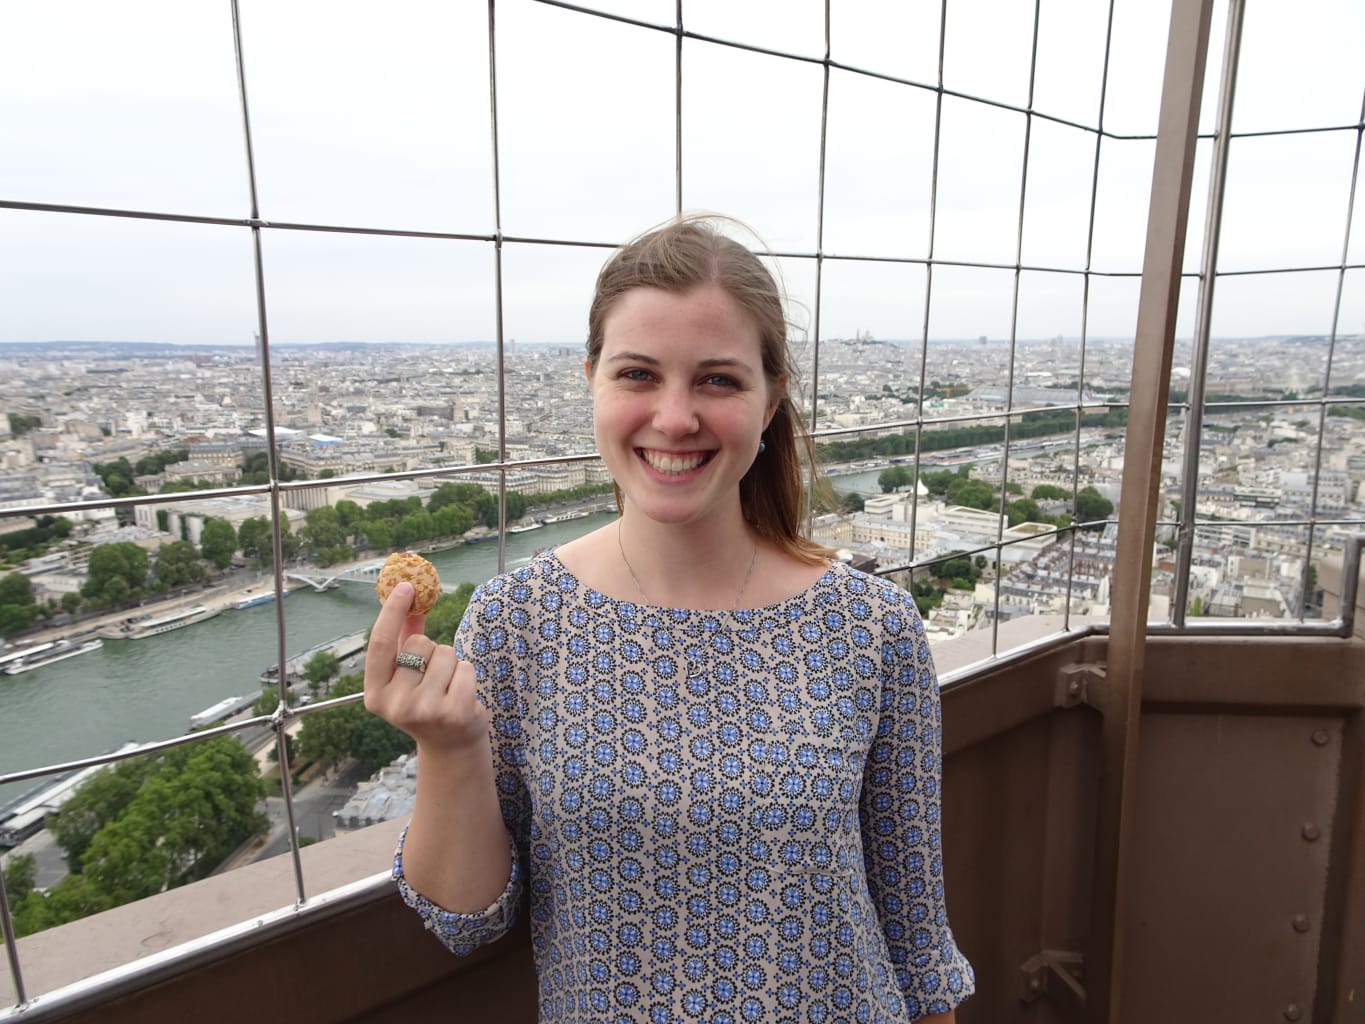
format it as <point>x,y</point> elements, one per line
<point>721,380</point>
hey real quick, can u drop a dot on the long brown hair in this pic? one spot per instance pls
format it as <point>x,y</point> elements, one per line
<point>681,255</point>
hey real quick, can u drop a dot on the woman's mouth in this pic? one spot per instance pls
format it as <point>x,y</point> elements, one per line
<point>673,463</point>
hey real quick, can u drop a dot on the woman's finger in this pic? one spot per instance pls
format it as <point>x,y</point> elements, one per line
<point>413,625</point>
<point>388,632</point>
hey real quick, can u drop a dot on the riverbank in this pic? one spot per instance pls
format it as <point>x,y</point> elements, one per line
<point>218,596</point>
<point>150,689</point>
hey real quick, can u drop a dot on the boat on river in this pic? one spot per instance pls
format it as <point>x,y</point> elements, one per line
<point>144,626</point>
<point>46,654</point>
<point>342,647</point>
<point>23,651</point>
<point>525,527</point>
<point>564,517</point>
<point>225,708</point>
<point>250,600</point>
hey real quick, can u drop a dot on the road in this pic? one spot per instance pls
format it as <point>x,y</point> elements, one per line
<point>313,807</point>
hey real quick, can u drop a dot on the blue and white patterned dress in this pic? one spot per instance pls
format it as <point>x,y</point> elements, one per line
<point>721,816</point>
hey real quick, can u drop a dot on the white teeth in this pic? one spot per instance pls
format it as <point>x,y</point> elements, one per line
<point>665,463</point>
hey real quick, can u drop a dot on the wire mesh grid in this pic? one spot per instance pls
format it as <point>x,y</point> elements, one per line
<point>497,241</point>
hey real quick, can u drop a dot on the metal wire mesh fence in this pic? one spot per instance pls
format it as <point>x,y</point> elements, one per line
<point>916,420</point>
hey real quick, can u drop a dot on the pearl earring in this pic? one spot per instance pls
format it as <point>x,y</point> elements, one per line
<point>762,447</point>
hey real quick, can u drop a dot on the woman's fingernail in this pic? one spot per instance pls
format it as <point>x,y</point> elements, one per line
<point>403,589</point>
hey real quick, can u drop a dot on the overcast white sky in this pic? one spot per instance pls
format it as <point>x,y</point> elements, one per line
<point>378,116</point>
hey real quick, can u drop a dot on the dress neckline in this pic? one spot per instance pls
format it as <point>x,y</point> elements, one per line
<point>802,597</point>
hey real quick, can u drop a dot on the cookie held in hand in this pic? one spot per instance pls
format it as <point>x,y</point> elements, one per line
<point>404,565</point>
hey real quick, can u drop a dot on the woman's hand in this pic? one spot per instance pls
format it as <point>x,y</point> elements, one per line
<point>437,703</point>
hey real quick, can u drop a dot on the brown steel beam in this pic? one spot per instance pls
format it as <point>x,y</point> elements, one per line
<point>1168,213</point>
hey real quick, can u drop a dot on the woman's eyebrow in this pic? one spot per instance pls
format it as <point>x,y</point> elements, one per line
<point>705,364</point>
<point>632,357</point>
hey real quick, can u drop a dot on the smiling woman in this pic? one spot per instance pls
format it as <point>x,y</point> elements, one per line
<point>794,814</point>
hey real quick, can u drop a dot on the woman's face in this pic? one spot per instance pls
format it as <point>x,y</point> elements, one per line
<point>680,401</point>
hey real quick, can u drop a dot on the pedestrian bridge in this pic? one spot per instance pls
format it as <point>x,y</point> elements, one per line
<point>331,577</point>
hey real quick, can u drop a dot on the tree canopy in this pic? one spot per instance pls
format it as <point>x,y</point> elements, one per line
<point>145,825</point>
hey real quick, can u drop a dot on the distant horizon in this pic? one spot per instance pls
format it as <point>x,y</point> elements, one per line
<point>490,343</point>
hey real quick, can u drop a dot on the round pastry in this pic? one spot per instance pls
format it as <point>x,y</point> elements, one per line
<point>404,565</point>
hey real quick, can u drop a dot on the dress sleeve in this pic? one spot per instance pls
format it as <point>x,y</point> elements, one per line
<point>485,639</point>
<point>899,817</point>
<point>462,933</point>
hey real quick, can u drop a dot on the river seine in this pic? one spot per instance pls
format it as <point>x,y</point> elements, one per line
<point>142,690</point>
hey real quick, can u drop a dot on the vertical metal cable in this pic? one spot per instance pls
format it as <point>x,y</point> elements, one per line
<point>820,231</point>
<point>1306,573</point>
<point>1203,321</point>
<point>497,286</point>
<point>1208,270</point>
<point>1085,318</point>
<point>1014,332</point>
<point>678,111</point>
<point>11,945</point>
<point>281,718</point>
<point>928,282</point>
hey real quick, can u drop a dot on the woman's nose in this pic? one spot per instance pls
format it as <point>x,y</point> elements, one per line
<point>676,413</point>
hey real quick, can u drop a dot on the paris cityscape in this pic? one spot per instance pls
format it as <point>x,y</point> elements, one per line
<point>344,410</point>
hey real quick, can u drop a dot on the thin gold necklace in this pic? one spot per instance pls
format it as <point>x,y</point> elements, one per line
<point>753,559</point>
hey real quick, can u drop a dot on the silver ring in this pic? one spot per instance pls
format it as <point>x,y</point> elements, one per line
<point>406,659</point>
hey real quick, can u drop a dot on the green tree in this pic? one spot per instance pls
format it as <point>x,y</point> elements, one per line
<point>453,520</point>
<point>379,535</point>
<point>446,614</point>
<point>117,477</point>
<point>927,595</point>
<point>218,542</point>
<point>195,808</point>
<point>254,539</point>
<point>372,741</point>
<point>1091,505</point>
<point>351,731</point>
<point>325,736</point>
<point>16,588</point>
<point>352,519</point>
<point>20,424</point>
<point>894,478</point>
<point>17,607</point>
<point>100,800</point>
<point>322,529</point>
<point>115,573</point>
<point>483,504</point>
<point>939,480</point>
<point>1024,510</point>
<point>956,565</point>
<point>253,536</point>
<point>375,743</point>
<point>21,873</point>
<point>321,667</point>
<point>972,493</point>
<point>177,564</point>
<point>1050,492</point>
<point>516,505</point>
<point>414,529</point>
<point>36,538</point>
